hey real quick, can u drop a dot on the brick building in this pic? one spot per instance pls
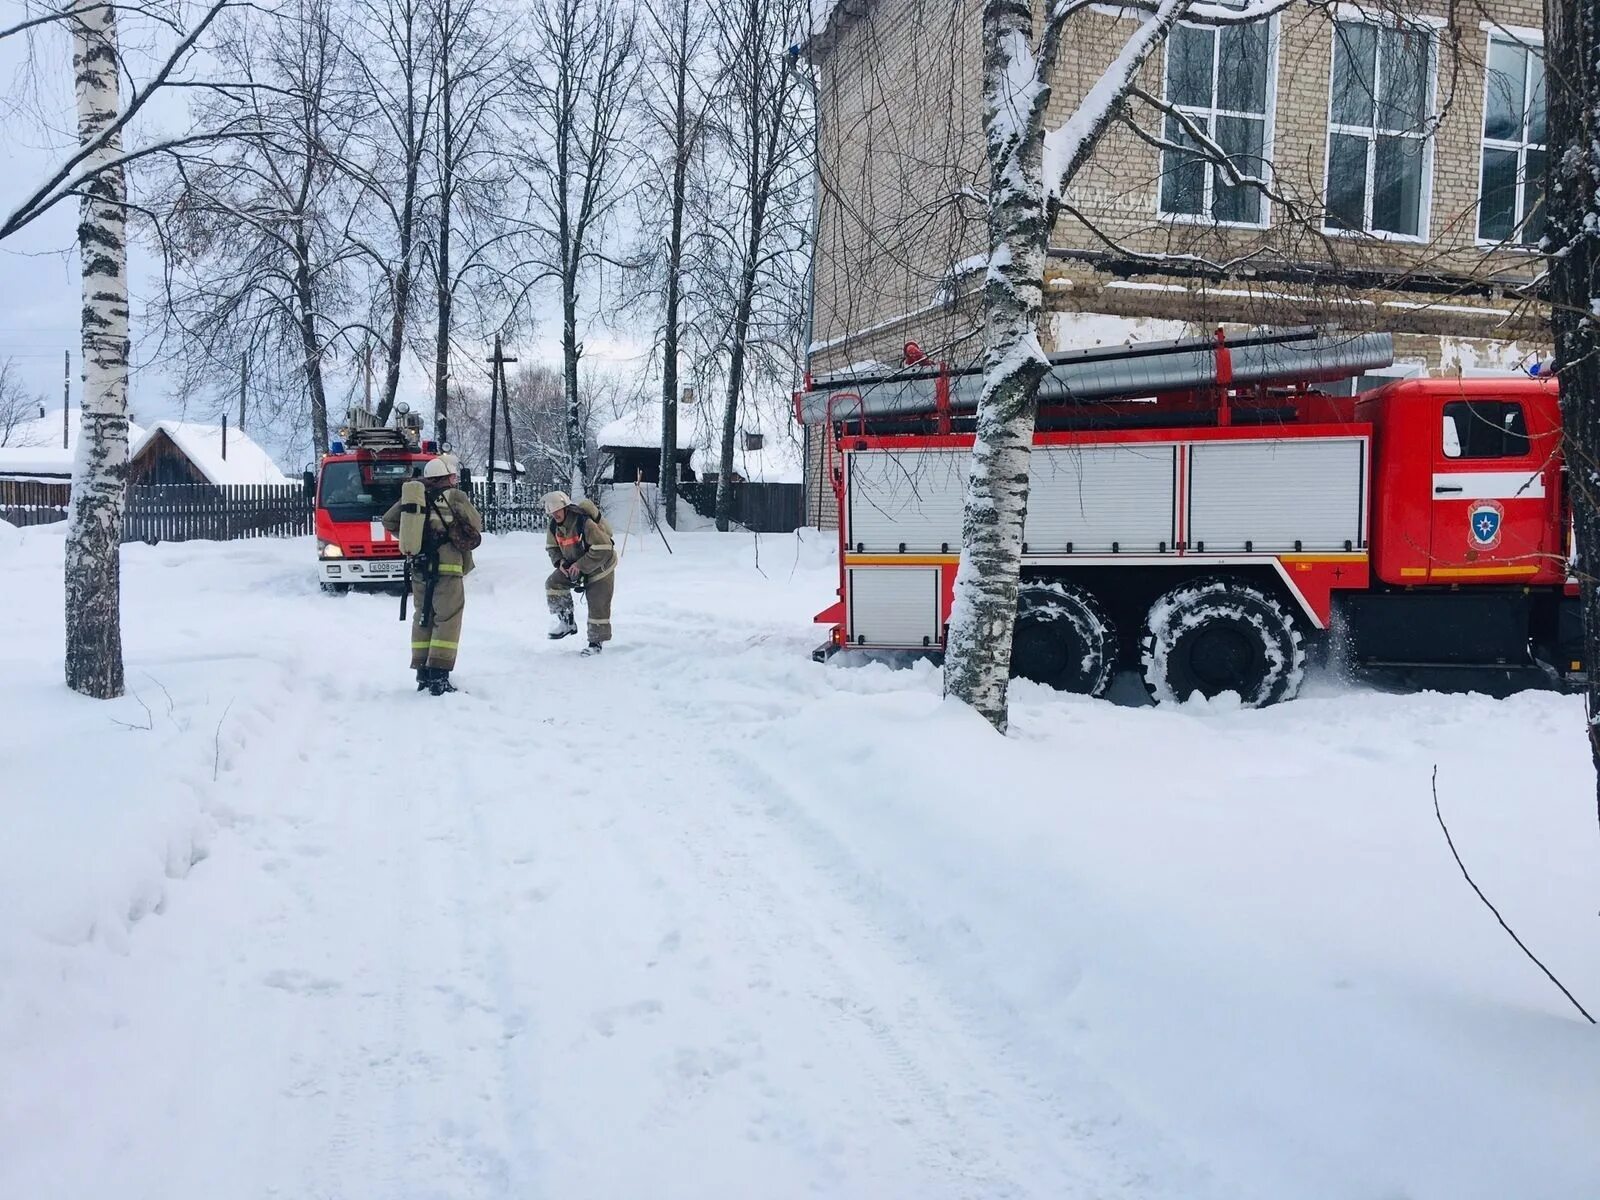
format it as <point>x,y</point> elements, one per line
<point>1404,155</point>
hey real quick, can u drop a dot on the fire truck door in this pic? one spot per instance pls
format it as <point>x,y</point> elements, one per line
<point>1490,514</point>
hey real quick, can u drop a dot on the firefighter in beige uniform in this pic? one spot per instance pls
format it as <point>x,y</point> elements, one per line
<point>579,544</point>
<point>441,565</point>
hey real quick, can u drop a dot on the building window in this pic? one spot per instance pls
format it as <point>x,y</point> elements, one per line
<point>1485,429</point>
<point>1511,208</point>
<point>754,441</point>
<point>1218,78</point>
<point>1378,116</point>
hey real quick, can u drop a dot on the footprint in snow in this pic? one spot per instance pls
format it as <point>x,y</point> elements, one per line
<point>301,983</point>
<point>605,1021</point>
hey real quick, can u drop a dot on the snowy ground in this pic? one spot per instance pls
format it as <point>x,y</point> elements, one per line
<point>704,919</point>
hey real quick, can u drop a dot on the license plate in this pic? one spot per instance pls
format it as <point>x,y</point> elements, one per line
<point>385,568</point>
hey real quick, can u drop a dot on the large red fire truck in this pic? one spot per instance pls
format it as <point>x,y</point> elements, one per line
<point>1200,511</point>
<point>355,484</point>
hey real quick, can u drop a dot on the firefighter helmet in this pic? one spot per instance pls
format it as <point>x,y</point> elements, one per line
<point>437,468</point>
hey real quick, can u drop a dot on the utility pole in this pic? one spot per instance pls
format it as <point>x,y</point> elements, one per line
<point>66,398</point>
<point>497,396</point>
<point>366,355</point>
<point>224,437</point>
<point>244,375</point>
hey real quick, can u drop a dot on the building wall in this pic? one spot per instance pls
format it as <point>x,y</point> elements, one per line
<point>901,224</point>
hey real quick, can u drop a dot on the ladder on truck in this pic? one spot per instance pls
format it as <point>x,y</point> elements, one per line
<point>363,430</point>
<point>1298,357</point>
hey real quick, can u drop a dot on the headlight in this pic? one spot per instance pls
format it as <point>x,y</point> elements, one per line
<point>328,550</point>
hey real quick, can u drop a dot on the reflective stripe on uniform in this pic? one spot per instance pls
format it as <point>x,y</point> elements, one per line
<point>592,621</point>
<point>449,568</point>
<point>420,645</point>
<point>443,646</point>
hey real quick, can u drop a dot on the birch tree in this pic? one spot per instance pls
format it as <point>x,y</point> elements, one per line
<point>575,86</point>
<point>1030,169</point>
<point>94,530</point>
<point>1572,239</point>
<point>765,134</point>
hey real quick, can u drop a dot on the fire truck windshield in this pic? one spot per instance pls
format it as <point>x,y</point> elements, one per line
<point>363,491</point>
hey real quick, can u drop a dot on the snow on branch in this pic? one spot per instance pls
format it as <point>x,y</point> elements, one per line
<point>1211,14</point>
<point>1068,147</point>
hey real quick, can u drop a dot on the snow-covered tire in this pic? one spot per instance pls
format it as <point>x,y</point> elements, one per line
<point>1219,635</point>
<point>1063,639</point>
<point>335,589</point>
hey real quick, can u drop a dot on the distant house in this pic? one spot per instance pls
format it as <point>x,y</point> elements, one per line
<point>42,450</point>
<point>190,452</point>
<point>633,442</point>
<point>36,467</point>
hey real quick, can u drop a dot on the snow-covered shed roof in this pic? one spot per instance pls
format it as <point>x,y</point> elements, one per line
<point>780,460</point>
<point>640,430</point>
<point>202,445</point>
<point>34,450</point>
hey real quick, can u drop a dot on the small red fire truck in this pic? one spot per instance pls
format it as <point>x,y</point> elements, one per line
<point>1198,510</point>
<point>355,484</point>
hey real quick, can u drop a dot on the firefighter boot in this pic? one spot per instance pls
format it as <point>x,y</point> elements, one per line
<point>440,683</point>
<point>424,678</point>
<point>562,622</point>
<point>591,650</point>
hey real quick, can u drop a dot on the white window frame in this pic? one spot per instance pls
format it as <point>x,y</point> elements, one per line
<point>1268,132</point>
<point>1528,39</point>
<point>1357,16</point>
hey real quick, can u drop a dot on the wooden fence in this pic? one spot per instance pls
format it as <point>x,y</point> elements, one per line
<point>186,512</point>
<point>28,502</point>
<point>758,507</point>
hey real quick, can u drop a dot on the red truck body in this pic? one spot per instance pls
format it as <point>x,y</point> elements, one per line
<point>1423,525</point>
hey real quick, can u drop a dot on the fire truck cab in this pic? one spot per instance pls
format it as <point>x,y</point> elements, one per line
<point>354,484</point>
<point>1200,511</point>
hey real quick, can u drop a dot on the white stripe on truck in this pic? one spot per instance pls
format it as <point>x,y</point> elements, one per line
<point>1488,485</point>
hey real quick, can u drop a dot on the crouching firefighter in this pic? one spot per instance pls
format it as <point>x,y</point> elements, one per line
<point>438,529</point>
<point>581,551</point>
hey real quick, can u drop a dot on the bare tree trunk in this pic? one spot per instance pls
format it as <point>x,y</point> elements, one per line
<point>305,298</point>
<point>409,129</point>
<point>443,285</point>
<point>94,535</point>
<point>684,133</point>
<point>441,339</point>
<point>977,665</point>
<point>577,427</point>
<point>730,408</point>
<point>668,487</point>
<point>1572,48</point>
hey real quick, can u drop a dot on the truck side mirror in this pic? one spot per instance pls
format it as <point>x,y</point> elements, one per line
<point>308,482</point>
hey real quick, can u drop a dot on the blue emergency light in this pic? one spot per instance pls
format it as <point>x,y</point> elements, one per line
<point>336,448</point>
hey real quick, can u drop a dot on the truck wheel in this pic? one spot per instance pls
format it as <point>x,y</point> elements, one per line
<point>1218,635</point>
<point>335,589</point>
<point>1063,639</point>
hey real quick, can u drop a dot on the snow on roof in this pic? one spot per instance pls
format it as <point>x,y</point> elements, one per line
<point>202,445</point>
<point>34,448</point>
<point>640,430</point>
<point>780,460</point>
